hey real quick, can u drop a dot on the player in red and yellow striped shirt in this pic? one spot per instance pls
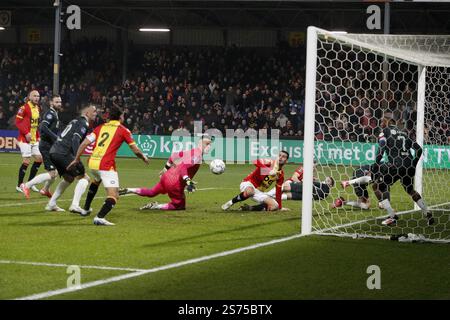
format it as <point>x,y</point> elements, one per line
<point>27,122</point>
<point>108,138</point>
<point>268,174</point>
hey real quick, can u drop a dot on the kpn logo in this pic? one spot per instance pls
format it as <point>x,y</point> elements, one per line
<point>147,145</point>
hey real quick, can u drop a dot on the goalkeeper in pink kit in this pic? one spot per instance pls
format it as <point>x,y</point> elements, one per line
<point>177,175</point>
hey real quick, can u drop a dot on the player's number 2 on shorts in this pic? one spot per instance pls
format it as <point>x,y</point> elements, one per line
<point>104,137</point>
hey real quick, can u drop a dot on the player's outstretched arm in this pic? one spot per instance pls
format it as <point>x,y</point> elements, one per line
<point>139,153</point>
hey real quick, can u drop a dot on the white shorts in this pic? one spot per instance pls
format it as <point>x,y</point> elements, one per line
<point>110,179</point>
<point>29,149</point>
<point>259,196</point>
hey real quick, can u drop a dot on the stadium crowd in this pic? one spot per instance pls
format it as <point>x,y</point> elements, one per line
<point>169,88</point>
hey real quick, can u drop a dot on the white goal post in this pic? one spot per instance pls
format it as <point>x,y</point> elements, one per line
<point>353,82</point>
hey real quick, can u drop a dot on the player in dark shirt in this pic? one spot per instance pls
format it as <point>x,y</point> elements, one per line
<point>62,153</point>
<point>48,131</point>
<point>321,189</point>
<point>362,177</point>
<point>401,166</point>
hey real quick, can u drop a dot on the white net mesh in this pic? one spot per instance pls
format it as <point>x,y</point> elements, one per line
<point>360,80</point>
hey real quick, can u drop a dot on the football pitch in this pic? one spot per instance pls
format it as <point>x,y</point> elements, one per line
<point>200,253</point>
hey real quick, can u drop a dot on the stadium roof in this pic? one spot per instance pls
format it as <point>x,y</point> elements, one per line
<point>405,17</point>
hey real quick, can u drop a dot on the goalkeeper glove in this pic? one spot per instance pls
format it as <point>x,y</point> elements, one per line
<point>190,185</point>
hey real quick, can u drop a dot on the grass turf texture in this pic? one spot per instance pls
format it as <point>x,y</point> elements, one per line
<point>311,267</point>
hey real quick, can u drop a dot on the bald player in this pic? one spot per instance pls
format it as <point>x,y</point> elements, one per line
<point>27,121</point>
<point>63,152</point>
<point>48,129</point>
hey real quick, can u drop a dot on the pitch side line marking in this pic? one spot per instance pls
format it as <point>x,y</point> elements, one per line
<point>44,264</point>
<point>52,293</point>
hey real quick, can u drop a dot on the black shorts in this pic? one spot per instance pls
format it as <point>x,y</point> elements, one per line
<point>61,162</point>
<point>360,189</point>
<point>393,174</point>
<point>45,152</point>
<point>296,187</point>
<point>320,190</point>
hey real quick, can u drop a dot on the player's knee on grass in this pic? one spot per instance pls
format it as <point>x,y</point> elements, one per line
<point>179,204</point>
<point>26,161</point>
<point>38,159</point>
<point>272,205</point>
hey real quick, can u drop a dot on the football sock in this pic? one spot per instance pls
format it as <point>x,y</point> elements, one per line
<point>387,205</point>
<point>22,170</point>
<point>360,180</point>
<point>166,206</point>
<point>357,204</point>
<point>147,192</point>
<point>239,197</point>
<point>80,188</point>
<point>48,184</point>
<point>34,170</point>
<point>422,205</point>
<point>107,207</point>
<point>43,177</point>
<point>93,188</point>
<point>60,188</point>
<point>284,196</point>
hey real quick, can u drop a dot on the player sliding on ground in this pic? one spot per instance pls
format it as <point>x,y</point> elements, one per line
<point>177,175</point>
<point>401,166</point>
<point>108,138</point>
<point>293,187</point>
<point>268,174</point>
<point>362,177</point>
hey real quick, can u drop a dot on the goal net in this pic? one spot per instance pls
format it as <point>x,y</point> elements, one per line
<point>354,83</point>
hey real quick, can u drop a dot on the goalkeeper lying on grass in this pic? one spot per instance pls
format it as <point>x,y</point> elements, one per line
<point>177,175</point>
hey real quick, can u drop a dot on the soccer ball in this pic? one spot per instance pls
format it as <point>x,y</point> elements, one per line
<point>217,166</point>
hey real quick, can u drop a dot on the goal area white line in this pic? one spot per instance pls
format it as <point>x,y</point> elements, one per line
<point>326,232</point>
<point>63,265</point>
<point>139,273</point>
<point>52,293</point>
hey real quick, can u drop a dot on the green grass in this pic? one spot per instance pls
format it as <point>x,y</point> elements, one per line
<point>308,267</point>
